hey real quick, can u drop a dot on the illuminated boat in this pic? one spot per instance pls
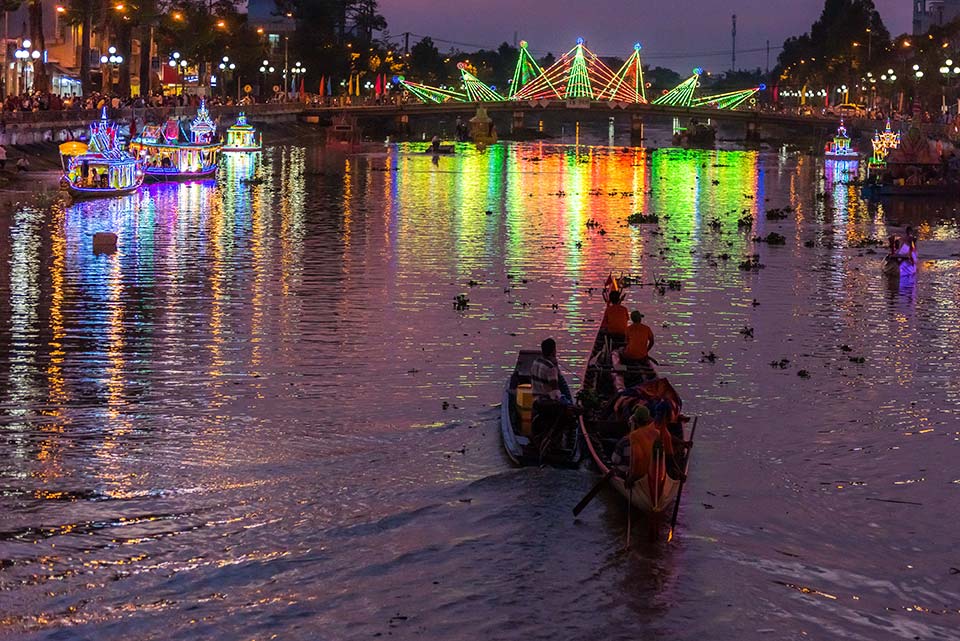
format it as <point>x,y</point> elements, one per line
<point>169,152</point>
<point>839,148</point>
<point>242,137</point>
<point>102,167</point>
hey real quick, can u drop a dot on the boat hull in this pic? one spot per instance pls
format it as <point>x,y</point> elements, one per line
<point>157,175</point>
<point>89,193</point>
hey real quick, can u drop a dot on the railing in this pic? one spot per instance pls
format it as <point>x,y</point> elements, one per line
<point>65,117</point>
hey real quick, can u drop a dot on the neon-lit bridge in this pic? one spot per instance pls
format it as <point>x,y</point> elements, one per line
<point>579,74</point>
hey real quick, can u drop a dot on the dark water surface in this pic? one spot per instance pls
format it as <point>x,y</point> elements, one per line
<point>234,427</point>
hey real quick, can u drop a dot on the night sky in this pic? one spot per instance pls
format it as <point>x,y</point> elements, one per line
<point>669,31</point>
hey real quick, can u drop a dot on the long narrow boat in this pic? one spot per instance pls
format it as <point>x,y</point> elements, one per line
<point>609,396</point>
<point>517,427</point>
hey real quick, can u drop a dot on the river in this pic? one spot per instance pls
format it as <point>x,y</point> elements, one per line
<point>262,417</point>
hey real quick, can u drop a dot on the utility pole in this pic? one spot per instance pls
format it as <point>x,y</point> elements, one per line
<point>768,56</point>
<point>286,67</point>
<point>733,57</point>
<point>514,39</point>
<point>406,42</point>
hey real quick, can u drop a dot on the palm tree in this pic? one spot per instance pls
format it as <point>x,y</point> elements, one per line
<point>83,13</point>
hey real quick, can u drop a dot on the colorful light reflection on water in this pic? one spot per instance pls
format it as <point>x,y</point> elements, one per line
<point>234,426</point>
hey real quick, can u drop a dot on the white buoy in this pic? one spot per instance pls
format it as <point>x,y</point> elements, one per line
<point>104,242</point>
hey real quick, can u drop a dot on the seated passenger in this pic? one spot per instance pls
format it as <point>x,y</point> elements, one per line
<point>639,339</point>
<point>634,450</point>
<point>615,317</point>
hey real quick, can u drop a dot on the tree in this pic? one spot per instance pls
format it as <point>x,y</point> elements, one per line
<point>41,81</point>
<point>838,47</point>
<point>426,64</point>
<point>82,13</point>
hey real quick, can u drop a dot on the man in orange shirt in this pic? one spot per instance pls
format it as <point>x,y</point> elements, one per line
<point>639,339</point>
<point>616,317</point>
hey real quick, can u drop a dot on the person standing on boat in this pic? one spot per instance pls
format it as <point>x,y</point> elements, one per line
<point>615,317</point>
<point>632,453</point>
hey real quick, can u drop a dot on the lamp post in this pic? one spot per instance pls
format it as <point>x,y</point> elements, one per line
<point>298,70</point>
<point>227,67</point>
<point>179,63</point>
<point>265,68</point>
<point>890,78</point>
<point>113,60</point>
<point>949,72</point>
<point>25,53</point>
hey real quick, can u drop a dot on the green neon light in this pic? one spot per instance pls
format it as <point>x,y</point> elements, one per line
<point>578,84</point>
<point>526,71</point>
<point>433,94</point>
<point>682,94</point>
<point>476,90</point>
<point>729,100</point>
<point>627,84</point>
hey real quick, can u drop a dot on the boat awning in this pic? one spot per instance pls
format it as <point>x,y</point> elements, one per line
<point>72,148</point>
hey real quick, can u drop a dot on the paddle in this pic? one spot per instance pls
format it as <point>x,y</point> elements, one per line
<point>629,512</point>
<point>578,508</point>
<point>686,467</point>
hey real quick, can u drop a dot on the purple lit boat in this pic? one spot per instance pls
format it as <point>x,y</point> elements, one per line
<point>170,153</point>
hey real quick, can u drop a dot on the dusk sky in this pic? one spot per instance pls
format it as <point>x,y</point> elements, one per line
<point>670,31</point>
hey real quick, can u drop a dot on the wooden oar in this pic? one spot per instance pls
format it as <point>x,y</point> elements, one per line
<point>578,508</point>
<point>686,468</point>
<point>629,512</point>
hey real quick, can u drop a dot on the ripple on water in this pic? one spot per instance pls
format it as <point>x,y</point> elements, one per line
<point>263,414</point>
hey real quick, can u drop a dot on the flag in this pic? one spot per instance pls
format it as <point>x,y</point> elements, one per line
<point>329,87</point>
<point>302,92</point>
<point>378,88</point>
<point>320,92</point>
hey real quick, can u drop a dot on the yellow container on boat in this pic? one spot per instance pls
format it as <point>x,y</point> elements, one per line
<point>525,407</point>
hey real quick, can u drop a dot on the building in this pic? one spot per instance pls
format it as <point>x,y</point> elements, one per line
<point>930,13</point>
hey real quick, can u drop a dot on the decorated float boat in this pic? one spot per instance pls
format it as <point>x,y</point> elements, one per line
<point>839,148</point>
<point>169,152</point>
<point>102,167</point>
<point>883,143</point>
<point>242,137</point>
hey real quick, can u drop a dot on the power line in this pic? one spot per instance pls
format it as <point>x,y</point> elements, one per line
<point>655,56</point>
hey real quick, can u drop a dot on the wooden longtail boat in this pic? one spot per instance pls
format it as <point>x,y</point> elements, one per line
<point>609,393</point>
<point>518,427</point>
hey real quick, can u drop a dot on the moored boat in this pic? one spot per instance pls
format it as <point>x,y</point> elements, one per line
<point>528,440</point>
<point>610,393</point>
<point>170,153</point>
<point>100,168</point>
<point>242,137</point>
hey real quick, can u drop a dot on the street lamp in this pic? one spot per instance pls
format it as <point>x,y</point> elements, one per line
<point>228,67</point>
<point>179,63</point>
<point>26,53</point>
<point>298,70</point>
<point>113,60</point>
<point>949,72</point>
<point>265,68</point>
